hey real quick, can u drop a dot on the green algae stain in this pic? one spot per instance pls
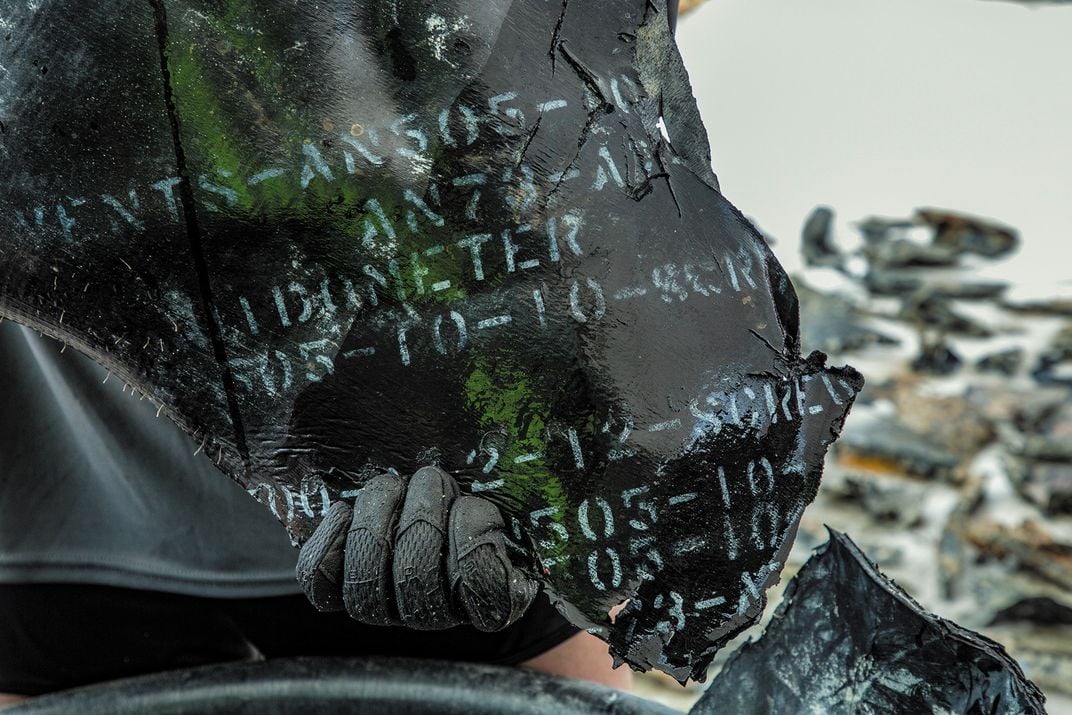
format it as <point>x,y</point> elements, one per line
<point>204,119</point>
<point>501,396</point>
<point>251,150</point>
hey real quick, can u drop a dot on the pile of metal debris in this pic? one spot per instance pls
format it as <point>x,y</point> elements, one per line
<point>955,472</point>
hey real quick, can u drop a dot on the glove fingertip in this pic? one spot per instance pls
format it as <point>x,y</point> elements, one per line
<point>490,589</point>
<point>319,566</point>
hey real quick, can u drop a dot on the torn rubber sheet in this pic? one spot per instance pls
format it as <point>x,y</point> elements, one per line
<point>846,639</point>
<point>335,239</point>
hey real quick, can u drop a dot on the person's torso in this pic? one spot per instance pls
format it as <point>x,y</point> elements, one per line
<point>95,488</point>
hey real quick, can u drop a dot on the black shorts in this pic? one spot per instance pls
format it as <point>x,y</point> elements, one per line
<point>59,636</point>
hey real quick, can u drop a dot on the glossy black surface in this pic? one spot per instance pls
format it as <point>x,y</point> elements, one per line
<point>848,640</point>
<point>345,685</point>
<point>339,238</point>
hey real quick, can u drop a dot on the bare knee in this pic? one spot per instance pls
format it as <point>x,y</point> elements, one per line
<point>583,657</point>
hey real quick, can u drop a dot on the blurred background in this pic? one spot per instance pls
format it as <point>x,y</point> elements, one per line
<point>955,469</point>
<point>877,107</point>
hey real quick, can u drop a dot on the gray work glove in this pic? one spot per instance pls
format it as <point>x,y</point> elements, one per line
<point>417,555</point>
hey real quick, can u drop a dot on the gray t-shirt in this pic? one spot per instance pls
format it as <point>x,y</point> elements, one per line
<point>94,488</point>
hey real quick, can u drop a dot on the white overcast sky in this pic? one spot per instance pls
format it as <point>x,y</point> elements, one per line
<point>881,106</point>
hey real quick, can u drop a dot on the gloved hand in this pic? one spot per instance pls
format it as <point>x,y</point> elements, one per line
<point>417,555</point>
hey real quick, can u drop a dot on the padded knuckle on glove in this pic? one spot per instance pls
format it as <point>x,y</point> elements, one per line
<point>489,588</point>
<point>320,560</point>
<point>417,555</point>
<point>366,589</point>
<point>421,589</point>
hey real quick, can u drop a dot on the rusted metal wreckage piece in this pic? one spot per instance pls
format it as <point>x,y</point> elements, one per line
<point>337,239</point>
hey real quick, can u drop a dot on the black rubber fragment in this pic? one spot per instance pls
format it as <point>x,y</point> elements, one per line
<point>848,640</point>
<point>386,234</point>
